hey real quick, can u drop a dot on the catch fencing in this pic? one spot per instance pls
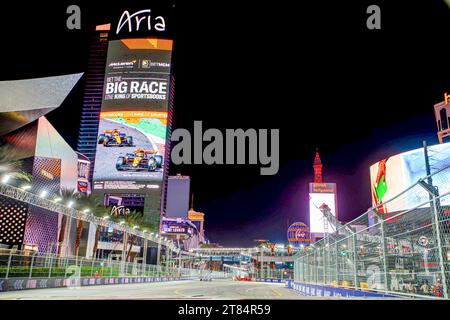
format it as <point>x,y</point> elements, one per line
<point>400,247</point>
<point>20,266</point>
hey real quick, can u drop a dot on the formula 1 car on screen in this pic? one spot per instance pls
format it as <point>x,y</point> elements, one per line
<point>115,138</point>
<point>140,160</point>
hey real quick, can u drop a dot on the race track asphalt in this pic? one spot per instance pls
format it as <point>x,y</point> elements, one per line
<point>187,289</point>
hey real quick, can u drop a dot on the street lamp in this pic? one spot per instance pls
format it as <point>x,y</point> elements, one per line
<point>106,217</point>
<point>69,204</point>
<point>5,178</point>
<point>43,193</point>
<point>56,199</point>
<point>25,187</point>
<point>86,210</point>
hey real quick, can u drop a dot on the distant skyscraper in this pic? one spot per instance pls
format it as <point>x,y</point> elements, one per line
<point>93,92</point>
<point>320,193</point>
<point>145,119</point>
<point>317,168</point>
<point>442,114</point>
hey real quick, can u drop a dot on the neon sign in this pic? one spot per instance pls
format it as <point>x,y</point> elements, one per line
<point>126,18</point>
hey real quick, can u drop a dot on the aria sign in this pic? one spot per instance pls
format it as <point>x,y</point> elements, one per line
<point>140,18</point>
<point>120,211</point>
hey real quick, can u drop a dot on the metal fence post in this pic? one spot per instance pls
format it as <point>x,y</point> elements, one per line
<point>65,272</point>
<point>314,266</point>
<point>307,268</point>
<point>81,266</point>
<point>50,266</point>
<point>336,268</point>
<point>9,265</point>
<point>433,193</point>
<point>383,245</point>
<point>31,267</point>
<point>355,268</point>
<point>324,262</point>
<point>92,267</point>
<point>439,244</point>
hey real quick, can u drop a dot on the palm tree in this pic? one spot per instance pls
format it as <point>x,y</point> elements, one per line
<point>66,195</point>
<point>11,166</point>
<point>133,219</point>
<point>94,206</point>
<point>100,211</point>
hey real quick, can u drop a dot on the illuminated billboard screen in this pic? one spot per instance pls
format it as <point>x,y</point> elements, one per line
<point>393,175</point>
<point>319,194</point>
<point>132,130</point>
<point>176,227</point>
<point>131,146</point>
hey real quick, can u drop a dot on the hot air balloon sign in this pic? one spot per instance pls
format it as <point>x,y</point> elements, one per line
<point>298,234</point>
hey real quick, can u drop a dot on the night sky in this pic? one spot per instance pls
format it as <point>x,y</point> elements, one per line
<point>313,71</point>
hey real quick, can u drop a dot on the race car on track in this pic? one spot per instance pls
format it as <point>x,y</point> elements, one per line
<point>140,160</point>
<point>115,138</point>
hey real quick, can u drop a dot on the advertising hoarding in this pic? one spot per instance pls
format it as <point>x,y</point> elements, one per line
<point>178,196</point>
<point>132,131</point>
<point>393,175</point>
<point>178,226</point>
<point>298,234</point>
<point>319,194</point>
<point>83,185</point>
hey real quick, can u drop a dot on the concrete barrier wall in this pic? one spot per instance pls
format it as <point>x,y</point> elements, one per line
<point>328,291</point>
<point>44,283</point>
<point>270,280</point>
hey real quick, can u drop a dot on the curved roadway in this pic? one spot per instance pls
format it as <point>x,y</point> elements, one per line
<point>192,289</point>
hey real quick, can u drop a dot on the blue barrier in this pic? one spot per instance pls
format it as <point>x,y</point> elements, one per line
<point>328,291</point>
<point>270,280</point>
<point>44,283</point>
<point>289,283</point>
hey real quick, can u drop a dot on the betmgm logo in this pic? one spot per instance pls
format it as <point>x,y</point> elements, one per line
<point>146,64</point>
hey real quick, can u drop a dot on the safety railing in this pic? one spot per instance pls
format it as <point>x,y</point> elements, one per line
<point>400,247</point>
<point>18,265</point>
<point>59,208</point>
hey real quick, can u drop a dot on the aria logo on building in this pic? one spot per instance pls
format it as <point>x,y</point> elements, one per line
<point>140,18</point>
<point>120,211</point>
